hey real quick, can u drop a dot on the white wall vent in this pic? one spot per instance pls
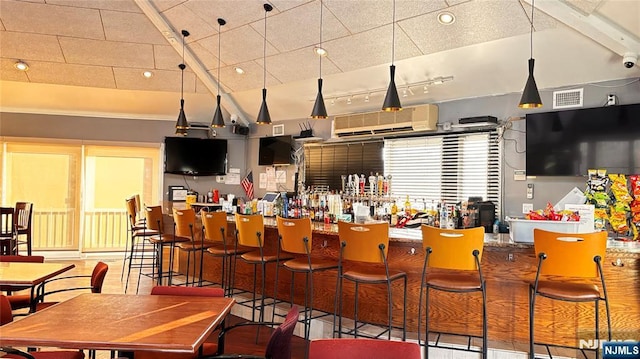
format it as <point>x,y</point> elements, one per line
<point>568,98</point>
<point>380,123</point>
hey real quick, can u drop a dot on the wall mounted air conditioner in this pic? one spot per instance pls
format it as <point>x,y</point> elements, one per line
<point>380,123</point>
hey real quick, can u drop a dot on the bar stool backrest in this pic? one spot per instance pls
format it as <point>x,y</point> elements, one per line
<point>136,197</point>
<point>155,221</point>
<point>214,223</point>
<point>131,210</point>
<point>185,220</point>
<point>570,254</point>
<point>292,233</point>
<point>250,229</point>
<point>363,241</point>
<point>453,248</point>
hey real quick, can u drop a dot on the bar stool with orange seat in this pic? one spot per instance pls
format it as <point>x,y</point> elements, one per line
<point>295,237</point>
<point>155,222</point>
<point>368,243</point>
<point>185,224</point>
<point>452,264</point>
<point>136,242</point>
<point>249,233</point>
<point>215,231</point>
<point>568,265</point>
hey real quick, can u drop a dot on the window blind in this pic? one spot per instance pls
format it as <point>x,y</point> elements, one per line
<point>450,167</point>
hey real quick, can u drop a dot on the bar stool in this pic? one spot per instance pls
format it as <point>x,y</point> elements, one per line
<point>567,267</point>
<point>185,222</point>
<point>215,231</point>
<point>456,256</point>
<point>295,236</point>
<point>368,243</point>
<point>138,236</point>
<point>155,221</point>
<point>249,232</point>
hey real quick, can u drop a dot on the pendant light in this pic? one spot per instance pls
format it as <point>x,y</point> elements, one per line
<point>218,120</point>
<point>319,110</point>
<point>182,125</point>
<point>391,100</point>
<point>530,95</point>
<point>263,116</point>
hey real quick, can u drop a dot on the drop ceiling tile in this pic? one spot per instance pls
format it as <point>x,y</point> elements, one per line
<point>237,13</point>
<point>130,27</point>
<point>370,48</point>
<point>119,5</point>
<point>299,65</point>
<point>72,75</point>
<point>166,57</point>
<point>10,73</point>
<point>586,6</point>
<point>239,45</point>
<point>251,79</point>
<point>25,46</point>
<point>107,53</point>
<point>52,19</point>
<point>476,22</point>
<point>205,56</point>
<point>202,88</point>
<point>162,80</point>
<point>359,16</point>
<point>163,5</point>
<point>182,17</point>
<point>1,25</point>
<point>456,2</point>
<point>300,27</point>
<point>283,5</point>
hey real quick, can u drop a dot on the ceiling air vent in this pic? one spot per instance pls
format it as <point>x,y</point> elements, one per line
<point>567,98</point>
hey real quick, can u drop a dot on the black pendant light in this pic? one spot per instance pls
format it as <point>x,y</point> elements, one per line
<point>218,120</point>
<point>263,116</point>
<point>530,95</point>
<point>182,125</point>
<point>391,100</point>
<point>319,110</point>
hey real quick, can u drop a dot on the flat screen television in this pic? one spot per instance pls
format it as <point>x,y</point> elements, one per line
<point>195,156</point>
<point>275,151</point>
<point>570,142</point>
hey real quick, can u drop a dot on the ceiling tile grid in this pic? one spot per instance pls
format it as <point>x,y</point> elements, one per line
<point>28,46</point>
<point>71,74</point>
<point>107,53</point>
<point>166,57</point>
<point>119,5</point>
<point>162,80</point>
<point>130,27</point>
<point>299,65</point>
<point>239,45</point>
<point>182,17</point>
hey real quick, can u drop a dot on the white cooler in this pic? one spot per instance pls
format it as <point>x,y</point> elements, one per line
<point>521,230</point>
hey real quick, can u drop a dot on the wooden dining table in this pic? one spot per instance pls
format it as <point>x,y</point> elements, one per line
<point>178,324</point>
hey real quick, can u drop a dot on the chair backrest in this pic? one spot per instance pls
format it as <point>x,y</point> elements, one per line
<point>185,219</point>
<point>6,316</point>
<point>97,277</point>
<point>570,254</point>
<point>153,214</point>
<point>23,213</point>
<point>136,197</point>
<point>7,222</point>
<point>26,259</point>
<point>250,229</point>
<point>215,225</point>
<point>132,213</point>
<point>279,345</point>
<point>349,348</point>
<point>292,232</point>
<point>453,248</point>
<point>187,291</point>
<point>363,241</point>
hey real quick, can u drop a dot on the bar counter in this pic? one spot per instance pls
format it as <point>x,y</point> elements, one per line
<point>507,267</point>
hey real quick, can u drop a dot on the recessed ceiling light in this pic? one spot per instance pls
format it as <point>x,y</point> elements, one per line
<point>446,18</point>
<point>21,65</point>
<point>147,74</point>
<point>320,51</point>
<point>239,70</point>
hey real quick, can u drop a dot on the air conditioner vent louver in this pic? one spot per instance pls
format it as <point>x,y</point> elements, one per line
<point>568,98</point>
<point>411,119</point>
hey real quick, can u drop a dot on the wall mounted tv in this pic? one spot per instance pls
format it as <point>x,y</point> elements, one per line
<point>195,156</point>
<point>275,151</point>
<point>569,143</point>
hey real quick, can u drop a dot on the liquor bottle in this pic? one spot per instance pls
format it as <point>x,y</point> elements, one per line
<point>444,216</point>
<point>407,207</point>
<point>394,214</point>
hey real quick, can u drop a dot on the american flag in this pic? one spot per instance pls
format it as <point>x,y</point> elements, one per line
<point>247,185</point>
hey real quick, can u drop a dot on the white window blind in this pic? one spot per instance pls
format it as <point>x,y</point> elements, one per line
<point>452,167</point>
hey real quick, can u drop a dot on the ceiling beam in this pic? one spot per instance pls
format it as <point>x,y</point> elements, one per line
<point>175,40</point>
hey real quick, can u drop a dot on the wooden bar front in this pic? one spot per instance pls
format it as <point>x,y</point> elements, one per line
<point>508,269</point>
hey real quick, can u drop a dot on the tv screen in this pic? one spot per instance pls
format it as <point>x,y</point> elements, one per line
<point>274,151</point>
<point>195,156</point>
<point>569,143</point>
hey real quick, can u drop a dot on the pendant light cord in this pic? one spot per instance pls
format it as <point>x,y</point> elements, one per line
<point>531,32</point>
<point>264,53</point>
<point>182,71</point>
<point>321,38</point>
<point>393,34</point>
<point>219,36</point>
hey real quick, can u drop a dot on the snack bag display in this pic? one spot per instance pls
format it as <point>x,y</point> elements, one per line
<point>597,195</point>
<point>549,214</point>
<point>634,182</point>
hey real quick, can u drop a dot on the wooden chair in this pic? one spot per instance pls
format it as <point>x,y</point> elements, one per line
<point>155,222</point>
<point>20,300</point>
<point>568,265</point>
<point>295,236</point>
<point>185,224</point>
<point>7,317</point>
<point>452,264</point>
<point>368,243</point>
<point>349,348</point>
<point>7,230</point>
<point>23,217</point>
<point>215,231</point>
<point>95,285</point>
